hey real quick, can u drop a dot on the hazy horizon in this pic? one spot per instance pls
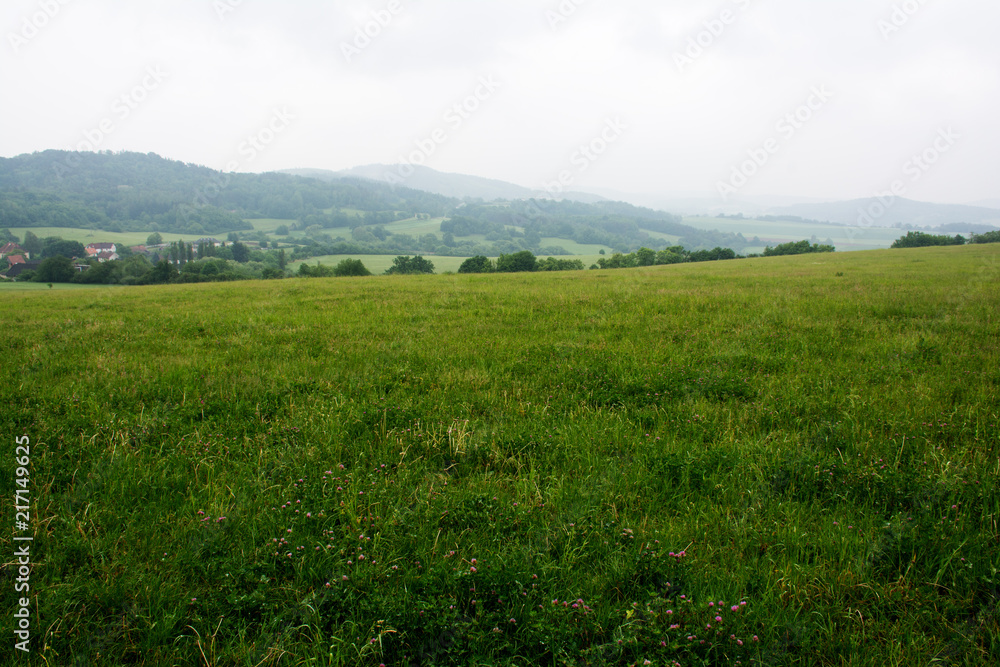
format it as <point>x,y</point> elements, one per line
<point>740,99</point>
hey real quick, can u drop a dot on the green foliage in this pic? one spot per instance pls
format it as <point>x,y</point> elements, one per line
<point>154,239</point>
<point>797,248</point>
<point>477,264</point>
<point>318,271</point>
<point>351,267</point>
<point>241,253</point>
<point>922,239</point>
<point>516,262</point>
<point>557,264</point>
<point>55,269</point>
<point>405,265</point>
<point>986,237</point>
<point>281,230</point>
<point>55,246</point>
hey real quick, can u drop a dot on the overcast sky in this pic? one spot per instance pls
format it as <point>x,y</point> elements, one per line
<point>828,99</point>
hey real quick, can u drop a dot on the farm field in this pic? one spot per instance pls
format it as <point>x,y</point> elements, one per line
<point>776,461</point>
<point>87,236</point>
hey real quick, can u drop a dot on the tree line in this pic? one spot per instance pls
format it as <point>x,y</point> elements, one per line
<point>923,239</point>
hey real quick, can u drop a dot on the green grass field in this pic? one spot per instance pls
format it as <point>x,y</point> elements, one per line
<point>87,236</point>
<point>12,286</point>
<point>779,461</point>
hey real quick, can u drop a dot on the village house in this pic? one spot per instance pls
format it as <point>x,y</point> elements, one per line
<point>106,256</point>
<point>95,249</point>
<point>13,249</point>
<point>19,268</point>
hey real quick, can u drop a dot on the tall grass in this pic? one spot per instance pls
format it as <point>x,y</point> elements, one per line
<point>778,461</point>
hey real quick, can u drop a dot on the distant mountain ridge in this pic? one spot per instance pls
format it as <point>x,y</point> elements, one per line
<point>874,212</point>
<point>457,186</point>
<point>904,212</point>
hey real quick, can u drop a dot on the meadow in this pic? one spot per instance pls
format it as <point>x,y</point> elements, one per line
<point>774,461</point>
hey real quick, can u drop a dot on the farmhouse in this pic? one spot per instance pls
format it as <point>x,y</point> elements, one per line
<point>13,249</point>
<point>18,269</point>
<point>95,249</point>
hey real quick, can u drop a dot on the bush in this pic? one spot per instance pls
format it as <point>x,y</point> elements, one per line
<point>410,265</point>
<point>351,267</point>
<point>988,237</point>
<point>517,262</point>
<point>477,264</point>
<point>56,269</point>
<point>282,230</point>
<point>796,248</point>
<point>923,240</point>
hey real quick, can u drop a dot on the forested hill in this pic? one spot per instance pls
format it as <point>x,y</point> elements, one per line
<point>145,192</point>
<point>136,192</point>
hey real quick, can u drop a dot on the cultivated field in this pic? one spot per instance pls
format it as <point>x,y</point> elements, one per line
<point>780,461</point>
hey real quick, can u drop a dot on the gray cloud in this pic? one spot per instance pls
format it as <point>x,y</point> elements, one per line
<point>693,114</point>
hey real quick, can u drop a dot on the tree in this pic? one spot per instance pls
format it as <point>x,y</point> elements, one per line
<point>796,248</point>
<point>517,262</point>
<point>921,240</point>
<point>154,239</point>
<point>57,246</point>
<point>163,272</point>
<point>410,265</point>
<point>282,230</point>
<point>240,253</point>
<point>233,237</point>
<point>351,267</point>
<point>477,264</point>
<point>645,257</point>
<point>7,237</point>
<point>987,237</point>
<point>32,244</point>
<point>55,269</point>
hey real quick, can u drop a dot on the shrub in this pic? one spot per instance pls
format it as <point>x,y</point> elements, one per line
<point>477,264</point>
<point>351,267</point>
<point>922,240</point>
<point>988,237</point>
<point>410,265</point>
<point>796,248</point>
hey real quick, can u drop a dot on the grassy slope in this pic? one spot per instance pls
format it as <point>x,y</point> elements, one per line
<point>820,446</point>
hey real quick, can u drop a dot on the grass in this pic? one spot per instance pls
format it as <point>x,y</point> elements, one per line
<point>378,264</point>
<point>87,236</point>
<point>530,469</point>
<point>12,286</point>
